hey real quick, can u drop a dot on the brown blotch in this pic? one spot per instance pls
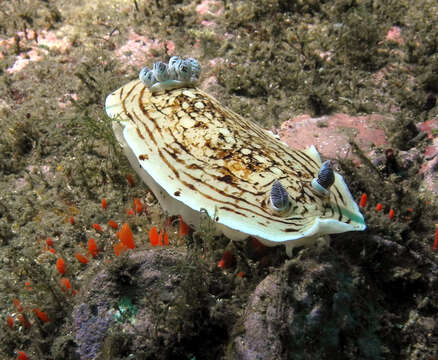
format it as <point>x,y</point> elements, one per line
<point>226,178</point>
<point>143,157</point>
<point>339,194</point>
<point>177,193</point>
<point>190,186</point>
<point>193,166</point>
<point>233,211</point>
<point>289,230</point>
<point>139,133</point>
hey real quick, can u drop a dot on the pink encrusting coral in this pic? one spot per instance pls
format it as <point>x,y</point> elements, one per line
<point>138,47</point>
<point>331,134</point>
<point>36,44</point>
<point>66,99</point>
<point>23,59</point>
<point>394,35</point>
<point>208,10</point>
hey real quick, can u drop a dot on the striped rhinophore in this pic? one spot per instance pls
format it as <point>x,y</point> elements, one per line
<point>196,154</point>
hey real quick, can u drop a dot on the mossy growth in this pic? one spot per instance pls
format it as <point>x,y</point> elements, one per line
<point>20,139</point>
<point>360,32</point>
<point>170,306</point>
<point>396,188</point>
<point>285,60</point>
<point>117,345</point>
<point>169,19</point>
<point>26,15</point>
<point>33,288</point>
<point>189,312</point>
<point>205,240</point>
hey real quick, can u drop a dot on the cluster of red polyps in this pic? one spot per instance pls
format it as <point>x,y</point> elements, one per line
<point>391,214</point>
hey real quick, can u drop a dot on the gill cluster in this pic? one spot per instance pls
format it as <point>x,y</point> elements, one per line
<point>176,74</point>
<point>279,198</point>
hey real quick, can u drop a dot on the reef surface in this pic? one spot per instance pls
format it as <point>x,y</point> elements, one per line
<point>358,79</point>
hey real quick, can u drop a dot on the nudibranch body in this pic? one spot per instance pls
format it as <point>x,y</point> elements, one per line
<point>196,154</point>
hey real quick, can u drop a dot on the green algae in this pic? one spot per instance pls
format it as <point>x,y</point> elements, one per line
<point>126,311</point>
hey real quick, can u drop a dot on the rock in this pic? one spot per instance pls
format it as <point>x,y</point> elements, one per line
<point>331,134</point>
<point>429,168</point>
<point>154,304</point>
<point>324,305</point>
<point>260,340</point>
<point>307,310</point>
